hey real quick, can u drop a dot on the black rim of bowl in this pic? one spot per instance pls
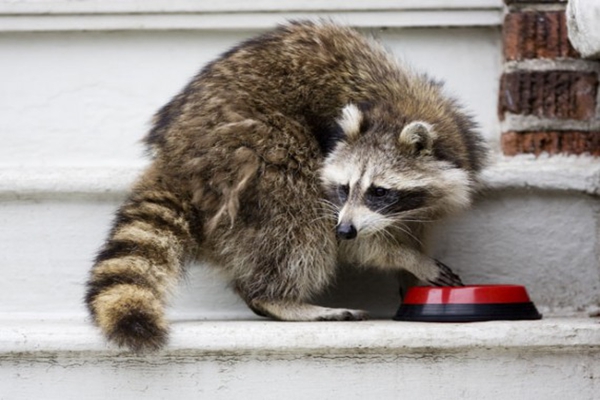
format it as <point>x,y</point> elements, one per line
<point>467,312</point>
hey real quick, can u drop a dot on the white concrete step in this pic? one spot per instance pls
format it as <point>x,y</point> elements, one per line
<point>93,104</point>
<point>538,226</point>
<point>547,359</point>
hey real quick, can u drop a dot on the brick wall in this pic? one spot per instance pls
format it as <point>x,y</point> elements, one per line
<point>548,99</point>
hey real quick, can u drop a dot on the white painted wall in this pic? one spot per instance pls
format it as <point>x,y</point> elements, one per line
<point>87,98</point>
<point>82,99</point>
<point>74,103</point>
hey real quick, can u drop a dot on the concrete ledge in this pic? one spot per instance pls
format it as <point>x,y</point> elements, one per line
<point>559,173</point>
<point>258,21</point>
<point>95,15</point>
<point>516,122</point>
<point>232,6</point>
<point>29,338</point>
<point>578,174</point>
<point>548,359</point>
<point>111,182</point>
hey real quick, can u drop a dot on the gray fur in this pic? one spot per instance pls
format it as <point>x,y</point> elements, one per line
<point>245,162</point>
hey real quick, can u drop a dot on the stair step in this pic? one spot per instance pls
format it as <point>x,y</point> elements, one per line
<point>551,358</point>
<point>198,338</point>
<point>55,220</point>
<point>579,174</point>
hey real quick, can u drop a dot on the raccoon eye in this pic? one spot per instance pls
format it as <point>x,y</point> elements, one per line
<point>380,192</point>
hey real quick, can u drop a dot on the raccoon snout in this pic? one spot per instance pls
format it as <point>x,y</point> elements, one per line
<point>346,231</point>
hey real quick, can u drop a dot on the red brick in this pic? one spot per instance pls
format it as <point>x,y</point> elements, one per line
<point>536,34</point>
<point>549,94</point>
<point>551,142</point>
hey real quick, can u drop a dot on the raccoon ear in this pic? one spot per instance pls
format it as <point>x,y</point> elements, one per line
<point>350,121</point>
<point>417,137</point>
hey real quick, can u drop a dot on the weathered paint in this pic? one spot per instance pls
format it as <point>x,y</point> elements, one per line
<point>548,359</point>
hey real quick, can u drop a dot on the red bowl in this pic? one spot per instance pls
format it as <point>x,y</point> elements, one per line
<point>467,303</point>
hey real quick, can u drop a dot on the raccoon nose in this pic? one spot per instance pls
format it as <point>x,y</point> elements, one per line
<point>346,231</point>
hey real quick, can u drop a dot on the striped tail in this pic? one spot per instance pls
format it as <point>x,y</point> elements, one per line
<point>138,266</point>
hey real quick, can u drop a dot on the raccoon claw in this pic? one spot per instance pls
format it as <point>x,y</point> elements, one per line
<point>446,277</point>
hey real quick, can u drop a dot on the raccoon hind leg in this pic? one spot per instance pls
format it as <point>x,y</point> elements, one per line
<point>299,311</point>
<point>286,258</point>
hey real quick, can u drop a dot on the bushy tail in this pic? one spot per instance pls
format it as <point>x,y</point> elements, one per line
<point>139,264</point>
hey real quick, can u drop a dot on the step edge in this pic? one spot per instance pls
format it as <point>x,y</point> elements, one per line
<point>231,338</point>
<point>61,16</point>
<point>562,173</point>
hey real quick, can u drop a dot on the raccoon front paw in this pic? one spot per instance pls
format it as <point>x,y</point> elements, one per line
<point>342,314</point>
<point>446,277</point>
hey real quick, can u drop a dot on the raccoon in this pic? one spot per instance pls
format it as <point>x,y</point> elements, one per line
<point>304,148</point>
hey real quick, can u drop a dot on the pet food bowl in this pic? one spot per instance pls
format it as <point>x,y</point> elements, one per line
<point>467,304</point>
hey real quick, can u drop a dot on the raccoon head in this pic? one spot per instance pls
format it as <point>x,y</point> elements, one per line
<point>383,173</point>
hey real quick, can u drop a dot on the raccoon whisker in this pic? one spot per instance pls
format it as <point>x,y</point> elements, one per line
<point>330,214</point>
<point>328,203</point>
<point>331,210</point>
<point>404,229</point>
<point>375,222</point>
<point>399,216</point>
<point>425,209</point>
<point>323,217</point>
<point>377,225</point>
<point>419,242</point>
<point>416,220</point>
<point>386,234</point>
<point>325,213</point>
<point>382,210</point>
<point>329,206</point>
<point>409,216</point>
